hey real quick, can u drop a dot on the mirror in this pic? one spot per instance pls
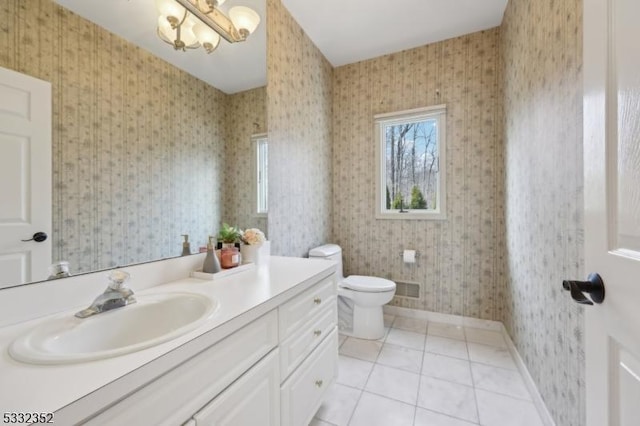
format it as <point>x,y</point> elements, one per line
<point>142,151</point>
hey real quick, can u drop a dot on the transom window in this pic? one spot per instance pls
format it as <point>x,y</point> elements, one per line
<point>410,153</point>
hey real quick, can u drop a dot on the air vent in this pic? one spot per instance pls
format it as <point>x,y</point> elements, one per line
<point>407,289</point>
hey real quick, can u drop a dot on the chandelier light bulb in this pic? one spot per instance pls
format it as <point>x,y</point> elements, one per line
<point>208,38</point>
<point>245,20</point>
<point>165,29</point>
<point>186,32</point>
<point>170,8</point>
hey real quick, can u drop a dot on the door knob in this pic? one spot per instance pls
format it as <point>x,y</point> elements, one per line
<point>594,286</point>
<point>38,237</point>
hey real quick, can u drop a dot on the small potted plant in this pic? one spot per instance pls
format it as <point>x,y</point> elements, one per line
<point>229,235</point>
<point>251,239</point>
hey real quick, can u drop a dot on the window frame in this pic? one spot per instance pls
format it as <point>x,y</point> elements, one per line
<point>256,141</point>
<point>438,112</point>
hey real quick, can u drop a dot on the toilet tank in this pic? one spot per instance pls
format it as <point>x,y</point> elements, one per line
<point>330,252</point>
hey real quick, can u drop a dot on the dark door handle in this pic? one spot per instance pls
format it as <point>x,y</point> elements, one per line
<point>594,287</point>
<point>38,237</point>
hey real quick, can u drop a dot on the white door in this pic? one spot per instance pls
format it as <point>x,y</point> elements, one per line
<point>612,209</point>
<point>25,177</point>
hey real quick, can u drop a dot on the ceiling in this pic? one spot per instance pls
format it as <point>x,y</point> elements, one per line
<point>231,67</point>
<point>348,31</point>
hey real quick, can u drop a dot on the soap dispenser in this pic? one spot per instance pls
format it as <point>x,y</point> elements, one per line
<point>211,263</point>
<point>186,249</point>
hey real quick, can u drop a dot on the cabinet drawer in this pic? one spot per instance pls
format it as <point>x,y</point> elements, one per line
<point>301,308</point>
<point>173,397</point>
<point>296,348</point>
<point>254,399</point>
<point>302,393</point>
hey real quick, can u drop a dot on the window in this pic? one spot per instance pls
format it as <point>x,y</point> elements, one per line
<point>261,193</point>
<point>410,157</point>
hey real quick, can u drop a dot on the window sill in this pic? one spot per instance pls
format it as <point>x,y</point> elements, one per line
<point>411,216</point>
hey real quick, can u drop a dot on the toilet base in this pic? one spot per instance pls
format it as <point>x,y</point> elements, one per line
<point>368,322</point>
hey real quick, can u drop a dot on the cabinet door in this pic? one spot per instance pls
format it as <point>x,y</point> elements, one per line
<point>300,309</point>
<point>303,391</point>
<point>300,344</point>
<point>254,399</point>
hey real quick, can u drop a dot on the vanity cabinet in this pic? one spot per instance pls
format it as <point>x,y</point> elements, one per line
<point>175,396</point>
<point>308,351</point>
<point>273,371</point>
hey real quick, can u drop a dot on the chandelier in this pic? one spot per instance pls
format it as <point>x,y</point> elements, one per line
<point>189,24</point>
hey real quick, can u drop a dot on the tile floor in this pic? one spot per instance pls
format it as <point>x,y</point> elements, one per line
<point>432,374</point>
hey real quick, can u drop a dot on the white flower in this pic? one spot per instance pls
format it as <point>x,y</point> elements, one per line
<point>253,236</point>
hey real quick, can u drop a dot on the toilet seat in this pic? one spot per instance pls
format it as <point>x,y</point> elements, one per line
<point>367,284</point>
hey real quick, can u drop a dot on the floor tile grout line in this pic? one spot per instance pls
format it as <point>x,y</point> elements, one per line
<point>388,397</point>
<point>500,393</point>
<point>355,407</point>
<point>399,369</point>
<point>473,383</point>
<point>470,363</point>
<point>416,405</point>
<point>364,386</point>
<point>497,366</point>
<point>503,394</point>
<point>367,381</point>
<point>448,415</point>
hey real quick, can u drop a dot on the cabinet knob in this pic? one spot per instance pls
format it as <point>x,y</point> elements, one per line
<point>319,383</point>
<point>317,332</point>
<point>317,301</point>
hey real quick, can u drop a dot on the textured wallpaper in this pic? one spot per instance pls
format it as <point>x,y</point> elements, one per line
<point>299,115</point>
<point>542,53</point>
<point>143,152</point>
<point>247,115</point>
<point>459,267</point>
<point>137,143</point>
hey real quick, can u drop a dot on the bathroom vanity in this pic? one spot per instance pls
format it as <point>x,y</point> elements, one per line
<point>265,356</point>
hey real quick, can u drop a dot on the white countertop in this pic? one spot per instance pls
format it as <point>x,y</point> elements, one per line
<point>242,297</point>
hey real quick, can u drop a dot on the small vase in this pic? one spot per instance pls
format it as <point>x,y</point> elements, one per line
<point>250,253</point>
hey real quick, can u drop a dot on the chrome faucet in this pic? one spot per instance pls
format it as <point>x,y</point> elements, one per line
<point>116,295</point>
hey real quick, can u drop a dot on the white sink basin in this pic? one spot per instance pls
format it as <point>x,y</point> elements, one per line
<point>154,319</point>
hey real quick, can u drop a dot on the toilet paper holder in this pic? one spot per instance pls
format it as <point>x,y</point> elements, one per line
<point>417,255</point>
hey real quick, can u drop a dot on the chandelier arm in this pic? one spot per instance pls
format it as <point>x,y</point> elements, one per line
<point>184,18</point>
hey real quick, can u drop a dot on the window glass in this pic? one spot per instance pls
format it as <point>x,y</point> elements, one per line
<point>410,152</point>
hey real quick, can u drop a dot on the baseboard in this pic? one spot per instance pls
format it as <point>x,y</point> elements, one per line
<point>545,415</point>
<point>445,318</point>
<point>537,400</point>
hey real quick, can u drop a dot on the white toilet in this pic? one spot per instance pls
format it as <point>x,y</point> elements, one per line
<point>360,298</point>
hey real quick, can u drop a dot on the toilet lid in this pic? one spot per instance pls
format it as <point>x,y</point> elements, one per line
<point>368,284</point>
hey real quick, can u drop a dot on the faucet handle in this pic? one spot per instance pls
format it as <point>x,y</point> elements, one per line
<point>117,277</point>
